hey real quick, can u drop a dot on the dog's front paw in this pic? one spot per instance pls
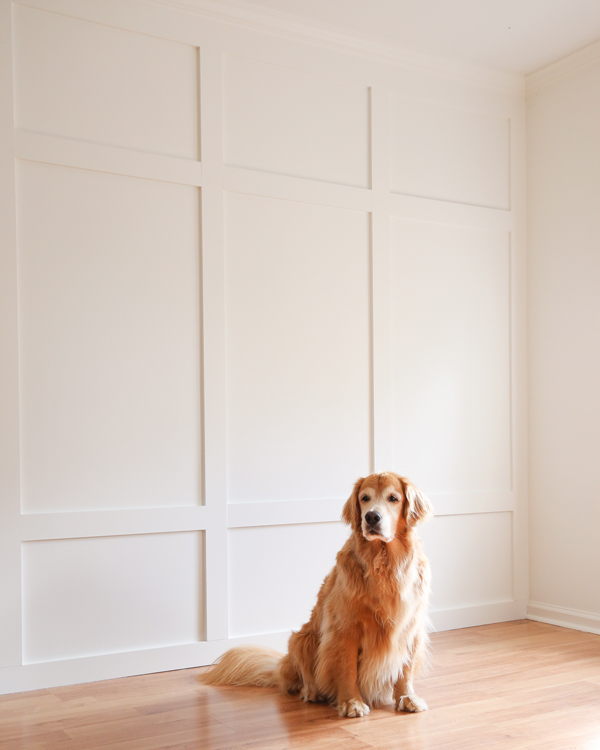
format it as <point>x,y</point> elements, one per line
<point>310,694</point>
<point>353,708</point>
<point>411,703</point>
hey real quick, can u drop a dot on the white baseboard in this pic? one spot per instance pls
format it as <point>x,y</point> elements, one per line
<point>588,622</point>
<point>127,664</point>
<point>110,666</point>
<point>482,614</point>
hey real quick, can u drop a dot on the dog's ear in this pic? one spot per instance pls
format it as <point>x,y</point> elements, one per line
<point>418,508</point>
<point>351,512</point>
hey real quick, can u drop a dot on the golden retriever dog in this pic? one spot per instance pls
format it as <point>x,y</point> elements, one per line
<point>366,639</point>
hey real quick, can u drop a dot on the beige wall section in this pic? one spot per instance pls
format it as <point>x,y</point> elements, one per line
<point>564,351</point>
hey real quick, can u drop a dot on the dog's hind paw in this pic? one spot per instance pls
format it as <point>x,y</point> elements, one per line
<point>411,703</point>
<point>353,708</point>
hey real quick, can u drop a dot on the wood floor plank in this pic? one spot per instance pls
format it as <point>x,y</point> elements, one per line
<point>512,686</point>
<point>323,739</point>
<point>213,736</point>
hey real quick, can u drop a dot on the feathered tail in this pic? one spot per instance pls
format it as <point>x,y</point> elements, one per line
<point>245,665</point>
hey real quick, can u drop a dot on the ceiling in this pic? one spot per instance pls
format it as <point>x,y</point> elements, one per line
<point>519,36</point>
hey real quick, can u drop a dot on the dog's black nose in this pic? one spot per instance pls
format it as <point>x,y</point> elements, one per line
<point>372,518</point>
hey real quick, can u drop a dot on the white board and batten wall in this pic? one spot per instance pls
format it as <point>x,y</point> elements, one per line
<point>241,268</point>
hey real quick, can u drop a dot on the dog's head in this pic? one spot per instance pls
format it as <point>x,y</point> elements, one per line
<point>383,506</point>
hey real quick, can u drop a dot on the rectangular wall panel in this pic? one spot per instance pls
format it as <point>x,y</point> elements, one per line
<point>289,122</point>
<point>298,353</point>
<point>451,356</point>
<point>275,573</point>
<point>104,85</point>
<point>109,340</point>
<point>447,153</point>
<point>83,597</point>
<point>471,559</point>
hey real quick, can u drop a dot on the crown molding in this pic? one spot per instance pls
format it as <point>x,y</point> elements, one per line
<point>263,19</point>
<point>562,69</point>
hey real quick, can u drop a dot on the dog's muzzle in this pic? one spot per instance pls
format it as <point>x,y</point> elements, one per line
<point>373,519</point>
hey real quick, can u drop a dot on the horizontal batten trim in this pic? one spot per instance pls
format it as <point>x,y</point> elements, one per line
<point>71,525</point>
<point>312,32</point>
<point>288,512</point>
<point>282,513</point>
<point>66,152</point>
<point>269,185</point>
<point>446,212</point>
<point>465,503</point>
<point>82,524</point>
<point>129,15</point>
<point>159,20</point>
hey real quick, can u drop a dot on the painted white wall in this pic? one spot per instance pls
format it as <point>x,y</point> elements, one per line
<point>239,270</point>
<point>563,142</point>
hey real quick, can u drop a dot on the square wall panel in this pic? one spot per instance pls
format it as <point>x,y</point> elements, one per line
<point>84,597</point>
<point>451,396</point>
<point>97,83</point>
<point>109,334</point>
<point>449,154</point>
<point>294,123</point>
<point>471,559</point>
<point>272,587</point>
<point>298,349</point>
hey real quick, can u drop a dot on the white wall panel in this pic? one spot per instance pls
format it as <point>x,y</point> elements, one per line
<point>109,340</point>
<point>298,353</point>
<point>104,85</point>
<point>451,356</point>
<point>275,573</point>
<point>83,597</point>
<point>442,152</point>
<point>563,151</point>
<point>471,559</point>
<point>284,121</point>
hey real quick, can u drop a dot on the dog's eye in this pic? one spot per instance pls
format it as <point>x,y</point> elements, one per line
<point>393,499</point>
<point>365,498</point>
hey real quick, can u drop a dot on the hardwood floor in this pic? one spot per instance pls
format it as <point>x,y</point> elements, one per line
<point>511,685</point>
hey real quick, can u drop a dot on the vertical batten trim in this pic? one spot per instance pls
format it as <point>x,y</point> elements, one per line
<point>213,308</point>
<point>518,354</point>
<point>381,393</point>
<point>10,489</point>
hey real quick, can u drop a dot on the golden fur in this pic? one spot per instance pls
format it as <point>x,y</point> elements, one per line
<point>366,638</point>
